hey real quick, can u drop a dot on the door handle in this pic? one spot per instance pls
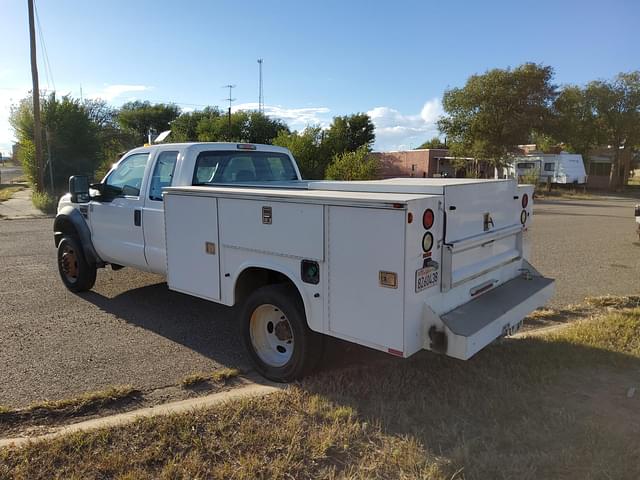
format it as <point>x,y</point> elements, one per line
<point>137,218</point>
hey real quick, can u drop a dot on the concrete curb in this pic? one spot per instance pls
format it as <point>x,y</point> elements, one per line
<point>182,406</point>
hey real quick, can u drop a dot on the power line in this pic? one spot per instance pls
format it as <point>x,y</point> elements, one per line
<point>230,100</point>
<point>47,64</point>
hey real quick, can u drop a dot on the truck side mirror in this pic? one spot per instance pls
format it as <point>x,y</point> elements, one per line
<point>79,188</point>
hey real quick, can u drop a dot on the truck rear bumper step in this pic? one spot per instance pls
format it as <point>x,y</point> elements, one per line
<point>472,326</point>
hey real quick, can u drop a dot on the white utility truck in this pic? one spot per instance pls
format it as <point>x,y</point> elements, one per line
<point>397,265</point>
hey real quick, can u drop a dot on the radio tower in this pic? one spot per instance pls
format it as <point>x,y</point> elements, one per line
<point>260,92</point>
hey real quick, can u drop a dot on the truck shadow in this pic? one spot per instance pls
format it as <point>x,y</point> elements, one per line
<point>518,409</point>
<point>206,327</point>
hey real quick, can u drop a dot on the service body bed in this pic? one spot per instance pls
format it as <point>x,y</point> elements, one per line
<point>378,286</point>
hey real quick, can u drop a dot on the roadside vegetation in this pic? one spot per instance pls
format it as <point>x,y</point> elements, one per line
<point>560,405</point>
<point>221,375</point>
<point>90,402</point>
<point>44,201</point>
<point>8,190</point>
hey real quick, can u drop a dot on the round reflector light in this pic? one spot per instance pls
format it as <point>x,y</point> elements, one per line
<point>427,242</point>
<point>525,200</point>
<point>523,217</point>
<point>427,218</point>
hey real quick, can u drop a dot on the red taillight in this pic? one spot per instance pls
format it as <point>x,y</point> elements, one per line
<point>245,146</point>
<point>428,218</point>
<point>525,200</point>
<point>410,217</point>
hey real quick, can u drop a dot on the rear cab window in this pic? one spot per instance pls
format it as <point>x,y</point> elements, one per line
<point>216,167</point>
<point>162,174</point>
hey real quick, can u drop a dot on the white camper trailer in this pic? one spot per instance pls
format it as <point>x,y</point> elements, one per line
<point>563,168</point>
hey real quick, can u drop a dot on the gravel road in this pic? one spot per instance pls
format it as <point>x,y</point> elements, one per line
<point>132,330</point>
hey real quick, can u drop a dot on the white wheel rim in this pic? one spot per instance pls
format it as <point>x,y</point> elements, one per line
<point>271,335</point>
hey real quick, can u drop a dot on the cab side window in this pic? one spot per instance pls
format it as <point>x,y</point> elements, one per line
<point>162,174</point>
<point>129,173</point>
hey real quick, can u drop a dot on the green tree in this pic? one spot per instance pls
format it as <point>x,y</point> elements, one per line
<point>185,127</point>
<point>617,107</point>
<point>259,128</point>
<point>602,113</point>
<point>216,129</point>
<point>112,140</point>
<point>497,110</point>
<point>435,142</point>
<point>308,149</point>
<point>69,134</point>
<point>575,122</point>
<point>358,165</point>
<point>350,132</point>
<point>211,125</point>
<point>138,117</point>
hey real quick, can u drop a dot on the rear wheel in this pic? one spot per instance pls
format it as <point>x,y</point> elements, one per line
<point>276,334</point>
<point>76,274</point>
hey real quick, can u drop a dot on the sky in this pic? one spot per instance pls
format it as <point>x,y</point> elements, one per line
<point>391,59</point>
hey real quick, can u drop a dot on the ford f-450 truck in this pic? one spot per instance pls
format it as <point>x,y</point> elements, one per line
<point>397,265</point>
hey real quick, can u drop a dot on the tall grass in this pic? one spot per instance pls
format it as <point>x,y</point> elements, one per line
<point>45,202</point>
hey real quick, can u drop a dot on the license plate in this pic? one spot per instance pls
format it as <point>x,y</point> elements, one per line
<point>426,277</point>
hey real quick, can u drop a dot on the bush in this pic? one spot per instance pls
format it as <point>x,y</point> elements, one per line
<point>532,177</point>
<point>358,165</point>
<point>44,202</point>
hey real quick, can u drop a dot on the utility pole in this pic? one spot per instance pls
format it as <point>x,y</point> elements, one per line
<point>260,91</point>
<point>49,159</point>
<point>36,101</point>
<point>230,100</point>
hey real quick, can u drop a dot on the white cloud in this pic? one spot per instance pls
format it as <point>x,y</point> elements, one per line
<point>296,118</point>
<point>397,131</point>
<point>111,92</point>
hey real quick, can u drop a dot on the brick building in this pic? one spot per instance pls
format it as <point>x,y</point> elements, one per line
<point>414,163</point>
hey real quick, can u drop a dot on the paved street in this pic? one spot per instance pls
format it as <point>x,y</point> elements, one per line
<point>9,173</point>
<point>129,330</point>
<point>132,330</point>
<point>589,246</point>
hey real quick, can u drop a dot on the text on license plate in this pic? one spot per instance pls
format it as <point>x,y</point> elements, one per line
<point>426,277</point>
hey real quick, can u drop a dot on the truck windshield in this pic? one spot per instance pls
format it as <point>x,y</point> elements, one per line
<point>242,167</point>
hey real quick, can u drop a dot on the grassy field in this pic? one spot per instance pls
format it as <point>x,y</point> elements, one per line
<point>557,406</point>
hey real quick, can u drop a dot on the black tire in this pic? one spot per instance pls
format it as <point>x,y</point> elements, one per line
<point>307,345</point>
<point>76,274</point>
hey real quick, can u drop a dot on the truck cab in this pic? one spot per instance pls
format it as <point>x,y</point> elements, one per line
<point>124,212</point>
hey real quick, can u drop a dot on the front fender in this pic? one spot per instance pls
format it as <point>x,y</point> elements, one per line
<point>69,221</point>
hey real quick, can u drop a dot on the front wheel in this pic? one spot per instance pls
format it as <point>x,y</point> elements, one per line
<point>76,274</point>
<point>276,335</point>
